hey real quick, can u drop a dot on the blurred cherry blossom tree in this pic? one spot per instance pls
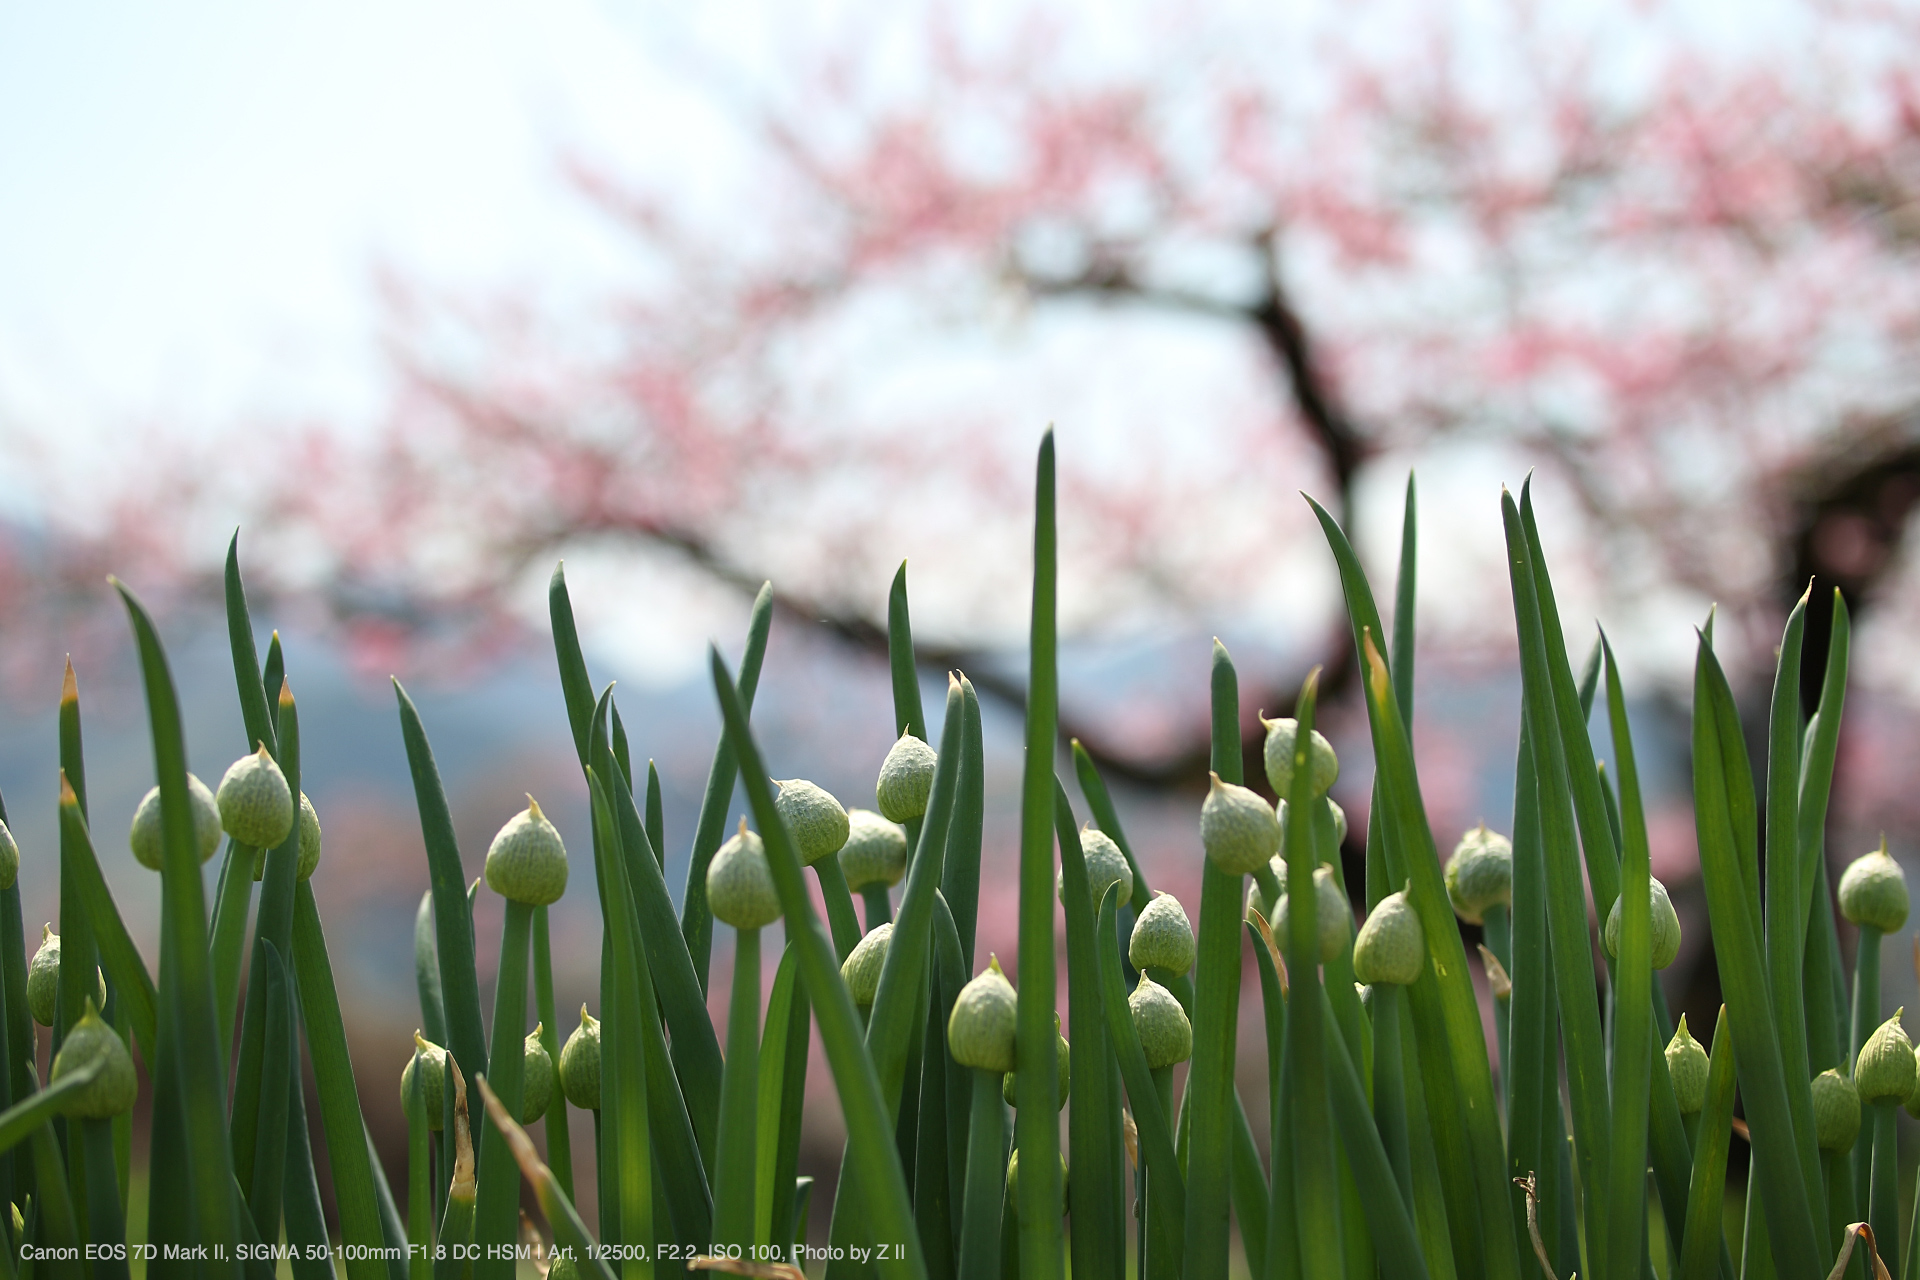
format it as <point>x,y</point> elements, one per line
<point>1671,266</point>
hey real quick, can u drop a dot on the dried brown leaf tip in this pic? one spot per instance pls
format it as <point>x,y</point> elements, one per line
<point>1496,974</point>
<point>69,687</point>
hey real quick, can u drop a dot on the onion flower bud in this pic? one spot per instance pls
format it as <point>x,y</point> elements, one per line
<point>980,1031</point>
<point>148,841</point>
<point>818,823</point>
<point>1282,736</point>
<point>1162,937</point>
<point>526,861</point>
<point>1238,829</point>
<point>875,852</point>
<point>906,779</point>
<point>740,888</point>
<point>255,803</point>
<point>580,1064</point>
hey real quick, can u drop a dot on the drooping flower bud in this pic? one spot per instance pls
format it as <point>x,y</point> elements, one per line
<point>863,964</point>
<point>309,839</point>
<point>536,1080</point>
<point>113,1091</point>
<point>740,888</point>
<point>1237,828</point>
<point>1166,1037</point>
<point>875,853</point>
<point>255,803</point>
<point>580,1064</point>
<point>1392,947</point>
<point>1282,737</point>
<point>1480,874</point>
<point>1332,917</point>
<point>1063,1077</point>
<point>906,779</point>
<point>147,839</point>
<point>980,1031</point>
<point>1106,867</point>
<point>1836,1111</point>
<point>1886,1068</point>
<point>9,859</point>
<point>1666,926</point>
<point>818,823</point>
<point>526,861</point>
<point>1687,1064</point>
<point>1162,937</point>
<point>433,1083</point>
<point>1874,892</point>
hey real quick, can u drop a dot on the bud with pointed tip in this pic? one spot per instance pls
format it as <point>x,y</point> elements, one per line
<point>875,853</point>
<point>1162,937</point>
<point>1165,1034</point>
<point>255,803</point>
<point>1687,1065</point>
<point>147,839</point>
<point>1106,867</point>
<point>536,1080</point>
<point>906,779</point>
<point>863,964</point>
<point>1392,947</point>
<point>1836,1111</point>
<point>1873,891</point>
<point>43,978</point>
<point>1237,828</point>
<point>815,819</point>
<point>980,1031</point>
<point>1666,926</point>
<point>1063,1077</point>
<point>1886,1067</point>
<point>740,888</point>
<point>113,1091</point>
<point>527,861</point>
<point>1480,874</point>
<point>1332,917</point>
<point>309,839</point>
<point>433,1085</point>
<point>1282,737</point>
<point>10,859</point>
<point>580,1064</point>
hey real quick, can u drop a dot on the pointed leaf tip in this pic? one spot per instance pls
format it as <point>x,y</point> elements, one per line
<point>69,687</point>
<point>67,797</point>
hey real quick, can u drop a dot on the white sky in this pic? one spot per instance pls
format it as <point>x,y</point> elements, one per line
<point>192,197</point>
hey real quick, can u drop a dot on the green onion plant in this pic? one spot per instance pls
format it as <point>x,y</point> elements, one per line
<point>1398,1144</point>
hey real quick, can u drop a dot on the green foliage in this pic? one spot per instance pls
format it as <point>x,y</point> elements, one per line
<point>1397,1139</point>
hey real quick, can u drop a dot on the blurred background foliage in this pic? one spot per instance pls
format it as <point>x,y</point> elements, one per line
<point>424,300</point>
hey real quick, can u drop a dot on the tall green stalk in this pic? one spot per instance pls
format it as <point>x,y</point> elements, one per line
<point>733,1172</point>
<point>1209,1096</point>
<point>1315,1189</point>
<point>1036,1127</point>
